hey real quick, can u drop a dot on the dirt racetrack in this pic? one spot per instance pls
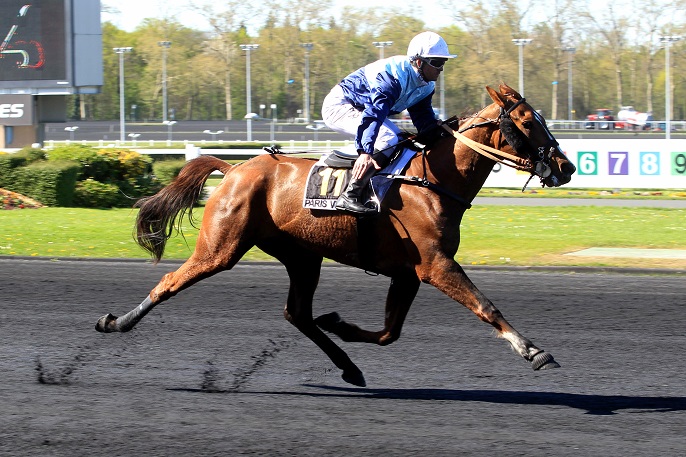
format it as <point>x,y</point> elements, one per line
<point>218,371</point>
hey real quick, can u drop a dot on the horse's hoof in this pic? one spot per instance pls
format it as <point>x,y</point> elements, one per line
<point>544,361</point>
<point>328,322</point>
<point>356,378</point>
<point>103,324</point>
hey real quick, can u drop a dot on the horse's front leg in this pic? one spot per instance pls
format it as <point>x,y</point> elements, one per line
<point>449,277</point>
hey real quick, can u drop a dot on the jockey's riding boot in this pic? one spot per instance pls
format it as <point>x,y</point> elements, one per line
<point>351,199</point>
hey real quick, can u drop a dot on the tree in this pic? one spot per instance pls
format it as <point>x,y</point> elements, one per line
<point>225,36</point>
<point>618,58</point>
<point>612,24</point>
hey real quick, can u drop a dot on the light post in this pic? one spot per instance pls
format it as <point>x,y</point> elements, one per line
<point>247,48</point>
<point>668,40</point>
<point>570,91</point>
<point>306,101</point>
<point>214,134</point>
<point>271,130</point>
<point>122,114</point>
<point>316,127</point>
<point>71,131</point>
<point>381,45</point>
<point>521,42</point>
<point>169,125</point>
<point>442,95</point>
<point>165,47</point>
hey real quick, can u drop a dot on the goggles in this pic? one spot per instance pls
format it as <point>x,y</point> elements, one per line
<point>436,63</point>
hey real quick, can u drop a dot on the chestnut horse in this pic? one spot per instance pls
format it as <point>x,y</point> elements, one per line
<point>413,239</point>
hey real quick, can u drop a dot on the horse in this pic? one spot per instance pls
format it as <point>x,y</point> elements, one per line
<point>413,239</point>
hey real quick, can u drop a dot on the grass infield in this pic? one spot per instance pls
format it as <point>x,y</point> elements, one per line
<point>491,235</point>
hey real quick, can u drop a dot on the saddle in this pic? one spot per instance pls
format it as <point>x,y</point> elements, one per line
<point>345,158</point>
<point>341,158</point>
<point>330,175</point>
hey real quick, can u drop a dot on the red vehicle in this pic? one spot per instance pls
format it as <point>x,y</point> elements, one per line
<point>602,119</point>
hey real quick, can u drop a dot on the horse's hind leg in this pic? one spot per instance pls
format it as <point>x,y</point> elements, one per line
<point>401,293</point>
<point>304,277</point>
<point>199,266</point>
<point>172,283</point>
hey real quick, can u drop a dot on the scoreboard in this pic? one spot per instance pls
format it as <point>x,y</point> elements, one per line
<point>50,47</point>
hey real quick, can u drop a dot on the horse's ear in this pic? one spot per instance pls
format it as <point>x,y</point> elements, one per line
<point>507,90</point>
<point>497,97</point>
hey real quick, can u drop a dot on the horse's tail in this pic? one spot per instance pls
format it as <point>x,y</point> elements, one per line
<point>162,212</point>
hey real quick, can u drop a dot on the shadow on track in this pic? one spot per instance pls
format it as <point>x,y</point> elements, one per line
<point>592,404</point>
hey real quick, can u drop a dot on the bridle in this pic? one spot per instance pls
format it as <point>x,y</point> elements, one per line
<point>538,159</point>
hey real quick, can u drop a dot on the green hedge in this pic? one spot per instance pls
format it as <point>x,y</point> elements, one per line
<point>93,165</point>
<point>9,162</point>
<point>51,183</point>
<point>165,171</point>
<point>94,194</point>
<point>31,154</point>
<point>7,165</point>
<point>81,175</point>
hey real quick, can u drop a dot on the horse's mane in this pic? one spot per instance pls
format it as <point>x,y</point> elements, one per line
<point>433,134</point>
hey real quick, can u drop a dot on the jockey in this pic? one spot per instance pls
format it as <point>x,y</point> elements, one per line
<point>360,104</point>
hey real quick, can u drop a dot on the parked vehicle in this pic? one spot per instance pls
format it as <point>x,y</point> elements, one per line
<point>630,119</point>
<point>602,119</point>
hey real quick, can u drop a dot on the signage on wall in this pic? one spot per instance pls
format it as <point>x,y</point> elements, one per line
<point>16,110</point>
<point>608,164</point>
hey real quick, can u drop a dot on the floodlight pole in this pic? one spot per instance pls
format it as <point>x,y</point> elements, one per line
<point>570,91</point>
<point>521,42</point>
<point>247,48</point>
<point>381,45</point>
<point>442,95</point>
<point>273,124</point>
<point>308,47</point>
<point>122,113</point>
<point>169,125</point>
<point>165,47</point>
<point>668,40</point>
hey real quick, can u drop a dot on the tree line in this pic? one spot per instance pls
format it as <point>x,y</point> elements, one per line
<point>609,56</point>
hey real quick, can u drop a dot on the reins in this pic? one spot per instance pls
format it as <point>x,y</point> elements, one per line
<point>496,155</point>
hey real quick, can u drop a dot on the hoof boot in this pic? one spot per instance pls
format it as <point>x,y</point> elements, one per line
<point>104,324</point>
<point>544,361</point>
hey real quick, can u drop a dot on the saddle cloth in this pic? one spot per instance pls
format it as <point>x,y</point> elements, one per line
<point>325,184</point>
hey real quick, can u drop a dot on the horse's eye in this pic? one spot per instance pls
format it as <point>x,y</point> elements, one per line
<point>527,125</point>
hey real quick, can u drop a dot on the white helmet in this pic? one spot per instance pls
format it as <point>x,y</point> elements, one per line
<point>429,44</point>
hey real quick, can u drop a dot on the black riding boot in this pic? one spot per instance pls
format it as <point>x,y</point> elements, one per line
<point>351,199</point>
